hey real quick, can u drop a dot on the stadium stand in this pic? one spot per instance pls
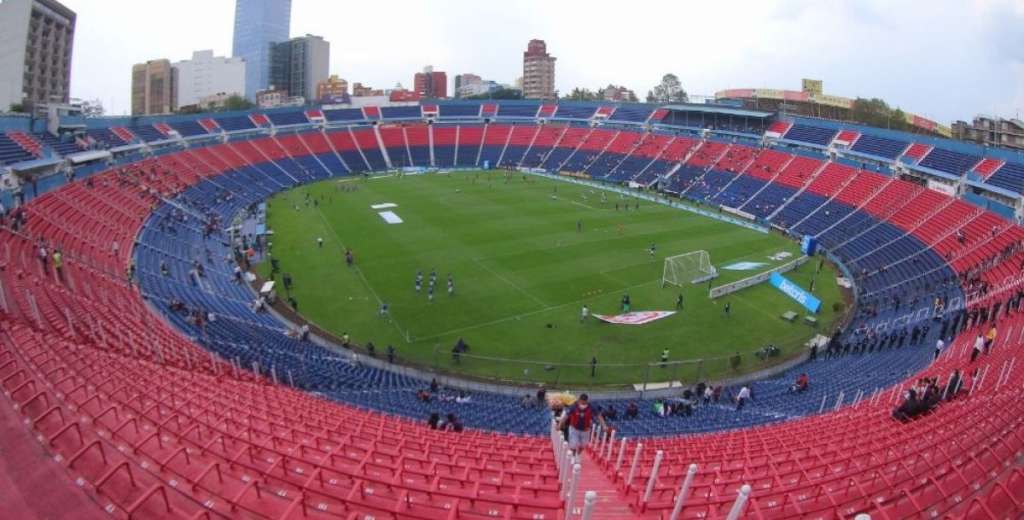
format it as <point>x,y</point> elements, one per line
<point>188,416</point>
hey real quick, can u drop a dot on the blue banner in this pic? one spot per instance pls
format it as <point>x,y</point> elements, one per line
<point>808,245</point>
<point>796,292</point>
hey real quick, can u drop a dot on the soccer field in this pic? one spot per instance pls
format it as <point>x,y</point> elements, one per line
<point>522,272</point>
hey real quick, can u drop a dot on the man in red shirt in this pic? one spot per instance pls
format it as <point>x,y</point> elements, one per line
<point>801,384</point>
<point>580,418</point>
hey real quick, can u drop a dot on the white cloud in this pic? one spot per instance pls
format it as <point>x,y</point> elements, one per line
<point>945,59</point>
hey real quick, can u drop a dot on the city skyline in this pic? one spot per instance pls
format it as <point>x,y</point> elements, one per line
<point>868,49</point>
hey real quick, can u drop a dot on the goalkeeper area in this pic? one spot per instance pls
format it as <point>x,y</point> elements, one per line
<point>692,267</point>
<point>525,253</point>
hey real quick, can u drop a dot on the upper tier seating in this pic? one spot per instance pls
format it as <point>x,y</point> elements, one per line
<point>64,146</point>
<point>879,146</point>
<point>949,161</point>
<point>575,112</point>
<point>234,123</point>
<point>635,114</point>
<point>1009,177</point>
<point>400,112</point>
<point>296,117</point>
<point>188,128</point>
<point>517,109</point>
<point>810,134</point>
<point>343,114</point>
<point>12,152</point>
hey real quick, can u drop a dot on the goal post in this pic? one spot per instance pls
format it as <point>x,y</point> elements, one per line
<point>692,267</point>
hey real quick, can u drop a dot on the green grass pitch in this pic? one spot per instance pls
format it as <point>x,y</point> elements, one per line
<point>522,273</point>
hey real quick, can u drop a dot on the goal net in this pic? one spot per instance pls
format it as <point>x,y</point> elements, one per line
<point>692,267</point>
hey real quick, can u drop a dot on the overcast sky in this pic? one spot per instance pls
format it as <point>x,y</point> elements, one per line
<point>943,59</point>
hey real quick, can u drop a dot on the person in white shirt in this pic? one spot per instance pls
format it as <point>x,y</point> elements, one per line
<point>979,343</point>
<point>584,313</point>
<point>741,398</point>
<point>939,345</point>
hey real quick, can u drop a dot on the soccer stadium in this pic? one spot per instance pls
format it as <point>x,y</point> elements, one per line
<point>544,308</point>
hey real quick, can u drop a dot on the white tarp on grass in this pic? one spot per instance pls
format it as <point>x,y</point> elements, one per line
<point>634,318</point>
<point>390,217</point>
<point>744,266</point>
<point>384,205</point>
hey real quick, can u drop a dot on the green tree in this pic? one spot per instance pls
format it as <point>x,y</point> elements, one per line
<point>668,91</point>
<point>582,94</point>
<point>504,93</point>
<point>236,102</point>
<point>17,107</point>
<point>876,112</point>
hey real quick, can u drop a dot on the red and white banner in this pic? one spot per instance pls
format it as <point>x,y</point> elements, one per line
<point>635,318</point>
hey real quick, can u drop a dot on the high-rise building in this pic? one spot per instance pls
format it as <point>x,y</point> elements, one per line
<point>153,88</point>
<point>332,87</point>
<point>206,75</point>
<point>299,64</point>
<point>991,131</point>
<point>464,80</point>
<point>36,39</point>
<point>430,83</point>
<point>538,71</point>
<point>360,90</point>
<point>258,24</point>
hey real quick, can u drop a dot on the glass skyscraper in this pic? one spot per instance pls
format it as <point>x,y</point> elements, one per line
<point>258,24</point>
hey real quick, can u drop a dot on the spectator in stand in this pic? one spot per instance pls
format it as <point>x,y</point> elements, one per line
<point>580,419</point>
<point>423,396</point>
<point>953,387</point>
<point>452,424</point>
<point>990,338</point>
<point>939,345</point>
<point>632,410</point>
<point>742,397</point>
<point>542,394</point>
<point>801,384</point>
<point>58,265</point>
<point>610,413</point>
<point>979,344</point>
<point>909,408</point>
<point>434,420</point>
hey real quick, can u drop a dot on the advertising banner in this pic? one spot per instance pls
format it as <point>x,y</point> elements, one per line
<point>808,300</point>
